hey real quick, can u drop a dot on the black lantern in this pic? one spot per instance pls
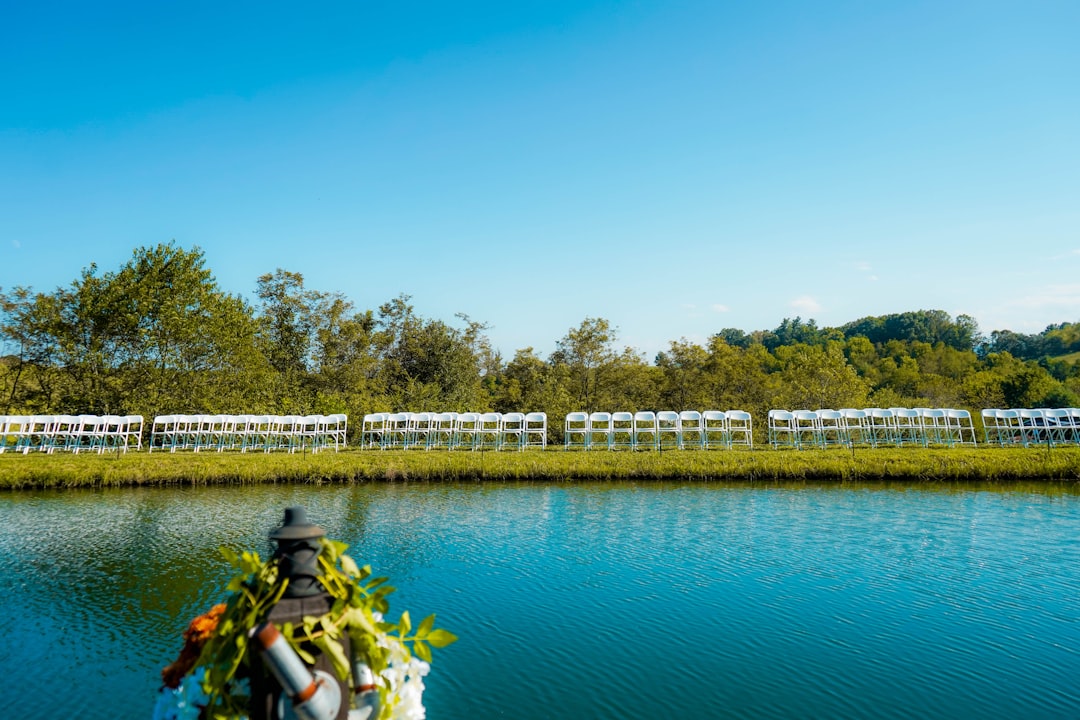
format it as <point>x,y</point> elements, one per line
<point>298,546</point>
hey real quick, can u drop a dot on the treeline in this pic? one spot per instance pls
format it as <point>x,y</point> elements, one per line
<point>159,336</point>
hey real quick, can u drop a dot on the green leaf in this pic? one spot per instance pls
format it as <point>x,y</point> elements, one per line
<point>404,624</point>
<point>422,651</point>
<point>305,656</point>
<point>425,626</point>
<point>332,649</point>
<point>441,638</point>
<point>348,565</point>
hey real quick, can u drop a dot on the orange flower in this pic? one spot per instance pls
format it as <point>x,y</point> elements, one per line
<point>198,632</point>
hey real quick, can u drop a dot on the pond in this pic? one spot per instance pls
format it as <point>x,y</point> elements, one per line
<point>607,600</point>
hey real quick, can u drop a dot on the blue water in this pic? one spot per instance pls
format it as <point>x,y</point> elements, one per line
<point>614,600</point>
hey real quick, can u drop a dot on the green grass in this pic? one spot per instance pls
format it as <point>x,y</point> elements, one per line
<point>1070,358</point>
<point>981,464</point>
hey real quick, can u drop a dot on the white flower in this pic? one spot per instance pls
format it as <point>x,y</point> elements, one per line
<point>405,678</point>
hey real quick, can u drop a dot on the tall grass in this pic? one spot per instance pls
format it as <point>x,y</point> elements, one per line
<point>907,464</point>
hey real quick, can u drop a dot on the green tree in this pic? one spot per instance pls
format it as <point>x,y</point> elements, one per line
<point>685,378</point>
<point>427,363</point>
<point>588,353</point>
<point>815,377</point>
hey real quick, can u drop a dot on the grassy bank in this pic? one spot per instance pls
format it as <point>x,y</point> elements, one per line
<point>908,464</point>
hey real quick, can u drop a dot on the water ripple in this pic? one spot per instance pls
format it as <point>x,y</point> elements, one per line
<point>591,600</point>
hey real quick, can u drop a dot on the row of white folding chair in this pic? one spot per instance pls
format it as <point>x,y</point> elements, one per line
<point>248,432</point>
<point>452,430</point>
<point>647,430</point>
<point>1031,426</point>
<point>48,433</point>
<point>871,426</point>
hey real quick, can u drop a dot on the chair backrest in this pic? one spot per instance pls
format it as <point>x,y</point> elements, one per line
<point>513,422</point>
<point>667,421</point>
<point>740,427</point>
<point>467,422</point>
<point>600,421</point>
<point>442,421</point>
<point>714,419</point>
<point>644,421</point>
<point>419,422</point>
<point>690,420</point>
<point>781,419</point>
<point>577,422</point>
<point>536,421</point>
<point>490,421</point>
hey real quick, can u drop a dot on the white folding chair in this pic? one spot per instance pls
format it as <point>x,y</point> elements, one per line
<point>622,431</point>
<point>1058,426</point>
<point>46,430</point>
<point>440,431</point>
<point>960,427</point>
<point>909,429</point>
<point>1031,426</point>
<point>576,431</point>
<point>1074,420</point>
<point>935,427</point>
<point>3,433</point>
<point>599,434</point>
<point>668,427</point>
<point>740,427</point>
<point>806,427</point>
<point>258,434</point>
<point>856,426</point>
<point>338,427</point>
<point>692,433</point>
<point>781,429</point>
<point>991,426</point>
<point>466,431</point>
<point>133,436</point>
<point>309,430</point>
<point>109,432</point>
<point>882,427</point>
<point>536,429</point>
<point>395,431</point>
<point>87,435</point>
<point>832,427</point>
<point>715,432</point>
<point>419,428</point>
<point>487,433</point>
<point>371,430</point>
<point>512,431</point>
<point>1010,430</point>
<point>645,430</point>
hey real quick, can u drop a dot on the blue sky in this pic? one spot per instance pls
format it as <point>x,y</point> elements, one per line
<point>674,167</point>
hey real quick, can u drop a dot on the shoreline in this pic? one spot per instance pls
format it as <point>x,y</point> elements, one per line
<point>143,469</point>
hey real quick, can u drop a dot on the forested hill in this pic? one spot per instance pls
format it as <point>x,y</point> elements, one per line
<point>158,335</point>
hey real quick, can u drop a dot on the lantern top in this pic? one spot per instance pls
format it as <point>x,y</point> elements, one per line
<point>295,526</point>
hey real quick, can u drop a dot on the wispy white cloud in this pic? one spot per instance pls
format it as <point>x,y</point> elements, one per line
<point>16,244</point>
<point>863,266</point>
<point>806,304</point>
<point>719,308</point>
<point>1060,296</point>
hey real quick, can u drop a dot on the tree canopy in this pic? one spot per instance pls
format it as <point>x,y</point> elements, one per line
<point>158,335</point>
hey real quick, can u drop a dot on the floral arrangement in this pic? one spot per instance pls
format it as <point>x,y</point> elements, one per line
<point>209,680</point>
